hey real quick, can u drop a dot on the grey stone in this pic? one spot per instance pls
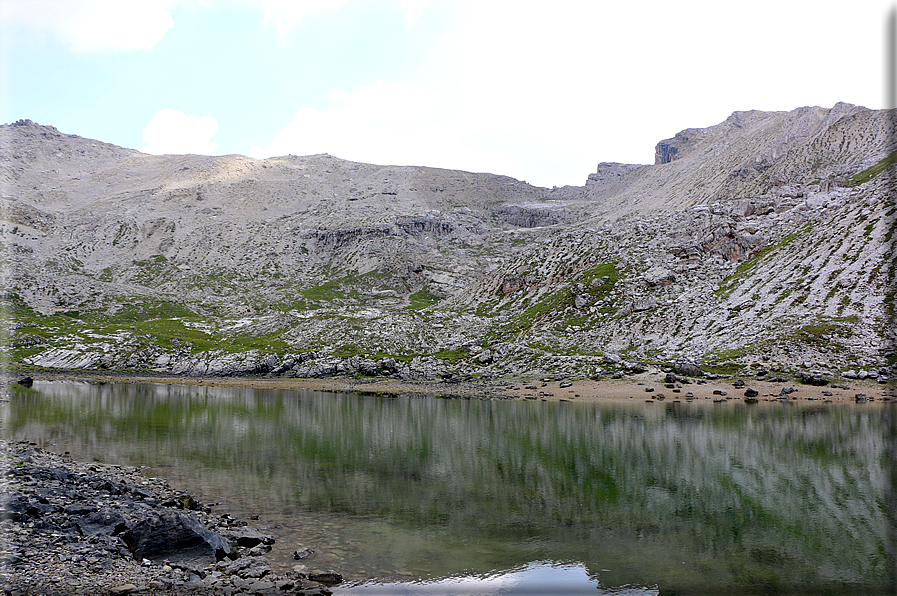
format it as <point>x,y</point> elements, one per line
<point>659,276</point>
<point>687,368</point>
<point>609,358</point>
<point>327,577</point>
<point>249,567</point>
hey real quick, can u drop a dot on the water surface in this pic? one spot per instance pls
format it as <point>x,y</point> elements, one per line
<point>436,496</point>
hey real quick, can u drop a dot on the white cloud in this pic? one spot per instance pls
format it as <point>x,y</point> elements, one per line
<point>378,120</point>
<point>172,131</point>
<point>285,15</point>
<point>91,25</point>
<point>414,10</point>
<point>544,91</point>
<point>389,123</point>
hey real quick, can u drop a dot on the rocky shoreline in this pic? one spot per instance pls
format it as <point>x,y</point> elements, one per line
<point>813,385</point>
<point>77,528</point>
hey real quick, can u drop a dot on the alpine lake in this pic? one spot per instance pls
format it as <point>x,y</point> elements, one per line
<point>424,495</point>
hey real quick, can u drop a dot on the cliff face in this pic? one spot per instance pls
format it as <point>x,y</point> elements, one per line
<point>668,150</point>
<point>766,235</point>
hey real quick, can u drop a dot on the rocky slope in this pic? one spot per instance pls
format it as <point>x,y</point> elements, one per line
<point>765,239</point>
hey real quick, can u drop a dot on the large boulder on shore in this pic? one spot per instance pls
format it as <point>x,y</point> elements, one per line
<point>175,535</point>
<point>687,368</point>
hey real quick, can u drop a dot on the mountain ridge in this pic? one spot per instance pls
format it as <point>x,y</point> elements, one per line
<point>228,264</point>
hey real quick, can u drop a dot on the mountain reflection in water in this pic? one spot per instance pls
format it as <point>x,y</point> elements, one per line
<point>538,578</point>
<point>691,497</point>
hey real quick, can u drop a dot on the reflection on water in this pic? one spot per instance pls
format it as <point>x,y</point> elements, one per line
<point>693,498</point>
<point>537,578</point>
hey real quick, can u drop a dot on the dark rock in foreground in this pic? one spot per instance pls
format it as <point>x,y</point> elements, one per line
<point>74,528</point>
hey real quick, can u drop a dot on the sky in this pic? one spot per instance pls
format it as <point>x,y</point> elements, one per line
<point>539,90</point>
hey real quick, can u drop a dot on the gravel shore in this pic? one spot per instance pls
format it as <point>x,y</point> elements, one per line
<point>76,528</point>
<point>548,389</point>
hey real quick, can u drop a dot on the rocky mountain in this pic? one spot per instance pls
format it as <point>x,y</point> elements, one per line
<point>764,240</point>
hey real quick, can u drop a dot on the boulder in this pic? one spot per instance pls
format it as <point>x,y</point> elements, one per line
<point>659,276</point>
<point>511,284</point>
<point>246,536</point>
<point>175,535</point>
<point>609,358</point>
<point>389,365</point>
<point>328,577</point>
<point>687,368</point>
<point>369,368</point>
<point>249,567</point>
<point>810,379</point>
<point>635,367</point>
<point>638,305</point>
<point>100,522</point>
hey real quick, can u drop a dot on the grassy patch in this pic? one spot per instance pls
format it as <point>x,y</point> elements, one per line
<point>744,269</point>
<point>161,323</point>
<point>871,172</point>
<point>143,311</point>
<point>599,282</point>
<point>347,351</point>
<point>821,332</point>
<point>451,355</point>
<point>422,299</point>
<point>731,354</point>
<point>343,288</point>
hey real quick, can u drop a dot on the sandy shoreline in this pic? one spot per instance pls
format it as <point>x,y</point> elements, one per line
<point>649,386</point>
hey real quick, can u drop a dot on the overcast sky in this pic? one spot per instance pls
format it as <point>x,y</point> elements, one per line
<point>541,91</point>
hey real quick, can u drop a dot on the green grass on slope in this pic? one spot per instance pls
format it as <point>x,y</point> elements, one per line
<point>873,171</point>
<point>747,267</point>
<point>165,324</point>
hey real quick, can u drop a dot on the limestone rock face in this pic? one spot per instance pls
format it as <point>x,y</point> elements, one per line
<point>766,234</point>
<point>669,149</point>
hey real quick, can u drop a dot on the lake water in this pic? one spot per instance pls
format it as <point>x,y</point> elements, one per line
<point>416,495</point>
